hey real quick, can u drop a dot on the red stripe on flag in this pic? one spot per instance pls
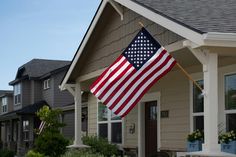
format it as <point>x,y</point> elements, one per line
<point>136,79</point>
<point>103,74</point>
<point>141,84</point>
<point>114,81</point>
<point>119,86</point>
<point>109,76</point>
<point>147,88</point>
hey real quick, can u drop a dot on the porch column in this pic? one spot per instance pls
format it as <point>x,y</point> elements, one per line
<point>210,70</point>
<point>78,120</point>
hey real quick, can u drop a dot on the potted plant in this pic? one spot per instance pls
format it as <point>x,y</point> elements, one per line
<point>195,140</point>
<point>228,142</point>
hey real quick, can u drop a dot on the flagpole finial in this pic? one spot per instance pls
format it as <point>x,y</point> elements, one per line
<point>141,24</point>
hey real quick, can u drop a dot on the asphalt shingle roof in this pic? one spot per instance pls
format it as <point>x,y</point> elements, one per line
<point>199,15</point>
<point>40,67</point>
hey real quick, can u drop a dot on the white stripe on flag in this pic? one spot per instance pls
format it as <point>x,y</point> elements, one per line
<point>134,76</point>
<point>107,74</point>
<point>127,106</point>
<point>112,78</point>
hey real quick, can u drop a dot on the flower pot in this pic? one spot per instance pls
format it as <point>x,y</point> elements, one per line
<point>229,147</point>
<point>194,146</point>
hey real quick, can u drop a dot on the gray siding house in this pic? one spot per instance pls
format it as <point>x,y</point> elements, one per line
<point>36,84</point>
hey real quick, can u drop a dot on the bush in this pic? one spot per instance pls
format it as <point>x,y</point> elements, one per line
<point>32,153</point>
<point>101,146</point>
<point>81,153</point>
<point>7,153</point>
<point>50,142</point>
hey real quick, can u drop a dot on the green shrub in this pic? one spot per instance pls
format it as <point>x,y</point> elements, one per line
<point>100,145</point>
<point>32,153</point>
<point>50,142</point>
<point>7,153</point>
<point>81,153</point>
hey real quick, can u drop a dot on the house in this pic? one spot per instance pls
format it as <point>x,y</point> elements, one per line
<point>6,103</point>
<point>36,84</point>
<point>201,36</point>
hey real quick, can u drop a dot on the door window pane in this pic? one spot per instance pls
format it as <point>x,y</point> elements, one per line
<point>116,132</point>
<point>198,123</point>
<point>153,113</point>
<point>198,98</point>
<point>103,130</point>
<point>231,122</point>
<point>230,92</point>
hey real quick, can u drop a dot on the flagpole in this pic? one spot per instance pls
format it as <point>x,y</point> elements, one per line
<point>189,76</point>
<point>141,24</point>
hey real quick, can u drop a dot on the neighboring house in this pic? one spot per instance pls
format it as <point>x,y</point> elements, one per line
<point>36,84</point>
<point>6,105</point>
<point>201,35</point>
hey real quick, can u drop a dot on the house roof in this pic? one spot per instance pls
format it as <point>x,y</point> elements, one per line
<point>27,110</point>
<point>37,68</point>
<point>200,15</point>
<point>200,22</point>
<point>5,93</point>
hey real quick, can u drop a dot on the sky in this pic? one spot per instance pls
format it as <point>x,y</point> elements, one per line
<point>45,29</point>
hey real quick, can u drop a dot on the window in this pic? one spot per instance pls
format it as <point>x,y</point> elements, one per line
<point>109,125</point>
<point>198,108</point>
<point>17,94</point>
<point>230,102</point>
<point>46,84</point>
<point>26,130</point>
<point>4,104</point>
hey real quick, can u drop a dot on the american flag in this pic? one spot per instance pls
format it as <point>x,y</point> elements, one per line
<point>121,86</point>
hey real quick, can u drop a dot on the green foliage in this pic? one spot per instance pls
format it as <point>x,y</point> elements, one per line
<point>196,136</point>
<point>7,153</point>
<point>50,142</point>
<point>81,153</point>
<point>227,137</point>
<point>100,145</point>
<point>32,153</point>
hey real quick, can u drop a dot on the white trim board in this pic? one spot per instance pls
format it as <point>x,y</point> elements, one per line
<point>198,39</point>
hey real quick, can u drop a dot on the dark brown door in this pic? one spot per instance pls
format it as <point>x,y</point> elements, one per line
<point>150,128</point>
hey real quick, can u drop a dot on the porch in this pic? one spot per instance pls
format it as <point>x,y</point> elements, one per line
<point>179,107</point>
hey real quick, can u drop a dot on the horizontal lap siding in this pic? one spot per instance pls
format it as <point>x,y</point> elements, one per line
<point>115,36</point>
<point>174,88</point>
<point>69,120</point>
<point>92,115</point>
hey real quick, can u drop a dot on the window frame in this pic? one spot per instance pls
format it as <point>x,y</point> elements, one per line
<point>17,93</point>
<point>227,111</point>
<point>46,84</point>
<point>4,105</point>
<point>109,123</point>
<point>26,131</point>
<point>192,114</point>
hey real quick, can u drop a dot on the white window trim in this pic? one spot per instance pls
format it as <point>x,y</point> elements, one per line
<point>109,122</point>
<point>4,105</point>
<point>196,77</point>
<point>17,93</point>
<point>46,84</point>
<point>233,111</point>
<point>26,130</point>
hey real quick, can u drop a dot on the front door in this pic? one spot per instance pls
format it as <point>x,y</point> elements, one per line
<point>150,128</point>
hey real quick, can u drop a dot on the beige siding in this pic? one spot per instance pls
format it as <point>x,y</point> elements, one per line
<point>92,115</point>
<point>115,36</point>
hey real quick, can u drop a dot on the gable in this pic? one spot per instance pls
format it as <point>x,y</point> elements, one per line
<point>111,36</point>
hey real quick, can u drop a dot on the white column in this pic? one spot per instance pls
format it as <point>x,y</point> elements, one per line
<point>210,69</point>
<point>78,120</point>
